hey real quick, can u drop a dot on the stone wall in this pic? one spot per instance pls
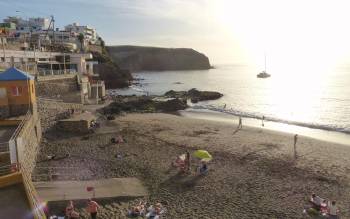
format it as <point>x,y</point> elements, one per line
<point>27,140</point>
<point>56,87</point>
<point>81,126</point>
<point>52,111</point>
<point>27,137</point>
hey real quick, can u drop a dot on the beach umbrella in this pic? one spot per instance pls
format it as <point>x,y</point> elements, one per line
<point>202,154</point>
<point>206,159</point>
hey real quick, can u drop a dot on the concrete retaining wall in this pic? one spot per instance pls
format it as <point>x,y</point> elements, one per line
<point>56,87</point>
<point>27,139</point>
<point>51,111</point>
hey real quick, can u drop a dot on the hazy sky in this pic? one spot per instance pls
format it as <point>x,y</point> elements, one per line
<point>295,31</point>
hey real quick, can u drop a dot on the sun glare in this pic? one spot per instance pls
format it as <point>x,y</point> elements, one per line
<point>293,34</point>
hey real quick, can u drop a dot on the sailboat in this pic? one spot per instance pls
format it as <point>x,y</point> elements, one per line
<point>263,74</point>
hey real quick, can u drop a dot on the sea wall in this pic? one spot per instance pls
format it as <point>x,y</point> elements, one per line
<point>51,111</point>
<point>137,58</point>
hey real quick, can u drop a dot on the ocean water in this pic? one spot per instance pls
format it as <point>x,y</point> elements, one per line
<point>305,98</point>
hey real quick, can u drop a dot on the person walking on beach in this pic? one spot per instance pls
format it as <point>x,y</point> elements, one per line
<point>92,208</point>
<point>262,121</point>
<point>239,123</point>
<point>295,145</point>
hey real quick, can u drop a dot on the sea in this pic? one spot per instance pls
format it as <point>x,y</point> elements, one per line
<point>310,103</point>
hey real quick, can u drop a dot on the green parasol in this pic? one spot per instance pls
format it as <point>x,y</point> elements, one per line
<point>202,154</point>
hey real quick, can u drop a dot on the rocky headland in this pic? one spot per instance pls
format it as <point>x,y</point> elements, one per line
<point>138,58</point>
<point>171,101</point>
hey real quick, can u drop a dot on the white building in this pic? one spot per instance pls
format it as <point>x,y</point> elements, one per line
<point>88,32</point>
<point>39,23</point>
<point>47,63</point>
<point>30,25</point>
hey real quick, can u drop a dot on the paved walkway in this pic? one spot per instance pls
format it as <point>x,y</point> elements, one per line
<point>13,202</point>
<point>77,190</point>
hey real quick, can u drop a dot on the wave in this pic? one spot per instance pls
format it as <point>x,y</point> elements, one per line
<point>221,109</point>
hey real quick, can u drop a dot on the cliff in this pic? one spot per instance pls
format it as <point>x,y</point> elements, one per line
<point>109,71</point>
<point>137,58</point>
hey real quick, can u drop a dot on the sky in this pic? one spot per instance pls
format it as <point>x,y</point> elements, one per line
<point>291,33</point>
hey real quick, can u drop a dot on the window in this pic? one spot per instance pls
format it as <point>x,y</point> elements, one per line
<point>2,92</point>
<point>16,91</point>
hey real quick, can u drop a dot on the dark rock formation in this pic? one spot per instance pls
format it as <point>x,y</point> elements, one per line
<point>143,104</point>
<point>171,101</point>
<point>194,94</point>
<point>137,58</point>
<point>171,105</point>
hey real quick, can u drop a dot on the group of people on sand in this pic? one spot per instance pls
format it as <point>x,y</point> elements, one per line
<point>183,163</point>
<point>152,212</point>
<point>324,207</point>
<point>92,208</point>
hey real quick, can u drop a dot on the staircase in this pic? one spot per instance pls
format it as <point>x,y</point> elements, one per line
<point>5,163</point>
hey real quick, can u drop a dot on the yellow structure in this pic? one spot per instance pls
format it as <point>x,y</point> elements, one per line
<point>17,93</point>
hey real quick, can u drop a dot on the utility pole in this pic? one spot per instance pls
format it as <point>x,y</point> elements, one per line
<point>97,92</point>
<point>53,28</point>
<point>3,49</point>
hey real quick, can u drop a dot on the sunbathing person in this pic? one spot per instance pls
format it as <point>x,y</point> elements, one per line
<point>324,207</point>
<point>70,213</point>
<point>117,140</point>
<point>138,210</point>
<point>203,170</point>
<point>179,163</point>
<point>316,201</point>
<point>155,212</point>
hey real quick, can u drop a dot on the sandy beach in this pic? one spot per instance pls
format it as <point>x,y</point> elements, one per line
<point>253,173</point>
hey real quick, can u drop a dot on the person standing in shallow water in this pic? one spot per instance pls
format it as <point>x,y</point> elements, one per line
<point>262,121</point>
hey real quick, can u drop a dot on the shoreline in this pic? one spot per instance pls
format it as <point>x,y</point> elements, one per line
<point>315,133</point>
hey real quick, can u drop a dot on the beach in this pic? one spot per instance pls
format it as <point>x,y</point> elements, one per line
<point>253,173</point>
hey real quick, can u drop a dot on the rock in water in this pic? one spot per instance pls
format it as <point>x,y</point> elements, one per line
<point>172,105</point>
<point>196,95</point>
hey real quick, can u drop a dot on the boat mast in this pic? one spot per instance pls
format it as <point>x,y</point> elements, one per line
<point>265,62</point>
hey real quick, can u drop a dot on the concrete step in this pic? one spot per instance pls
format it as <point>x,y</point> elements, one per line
<point>78,190</point>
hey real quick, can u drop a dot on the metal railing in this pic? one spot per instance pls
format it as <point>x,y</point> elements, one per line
<point>21,125</point>
<point>33,197</point>
<point>5,169</point>
<point>49,173</point>
<point>4,147</point>
<point>46,72</point>
<point>24,167</point>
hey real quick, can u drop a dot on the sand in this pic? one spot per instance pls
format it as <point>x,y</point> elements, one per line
<point>253,173</point>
